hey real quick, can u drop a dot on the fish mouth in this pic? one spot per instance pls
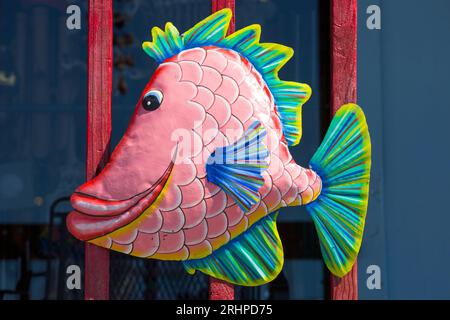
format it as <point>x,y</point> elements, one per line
<point>94,217</point>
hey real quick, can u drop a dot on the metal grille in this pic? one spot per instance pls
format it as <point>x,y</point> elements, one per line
<point>136,279</point>
<point>64,250</point>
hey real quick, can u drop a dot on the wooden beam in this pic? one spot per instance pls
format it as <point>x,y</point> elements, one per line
<point>343,90</point>
<point>100,36</point>
<point>222,4</point>
<point>218,289</point>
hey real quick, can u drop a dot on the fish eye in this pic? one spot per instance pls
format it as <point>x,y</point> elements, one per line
<point>152,100</point>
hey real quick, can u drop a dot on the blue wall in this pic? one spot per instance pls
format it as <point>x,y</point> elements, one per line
<point>404,84</point>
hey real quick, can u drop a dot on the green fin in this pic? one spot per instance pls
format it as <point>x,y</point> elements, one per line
<point>290,97</point>
<point>343,162</point>
<point>165,43</point>
<point>252,259</point>
<point>267,58</point>
<point>208,31</point>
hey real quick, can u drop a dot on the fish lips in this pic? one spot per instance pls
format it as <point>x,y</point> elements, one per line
<point>94,217</point>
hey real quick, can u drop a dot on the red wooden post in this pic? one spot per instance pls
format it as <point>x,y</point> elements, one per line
<point>343,90</point>
<point>222,4</point>
<point>100,31</point>
<point>221,290</point>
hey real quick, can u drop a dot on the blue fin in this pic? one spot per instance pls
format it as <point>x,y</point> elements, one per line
<point>252,259</point>
<point>238,168</point>
<point>343,162</point>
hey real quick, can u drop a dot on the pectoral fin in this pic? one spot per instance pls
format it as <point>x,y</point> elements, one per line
<point>238,168</point>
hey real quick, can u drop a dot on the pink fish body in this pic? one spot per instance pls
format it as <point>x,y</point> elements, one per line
<point>154,198</point>
<point>218,95</point>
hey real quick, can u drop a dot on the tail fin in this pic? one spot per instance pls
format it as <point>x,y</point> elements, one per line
<point>343,162</point>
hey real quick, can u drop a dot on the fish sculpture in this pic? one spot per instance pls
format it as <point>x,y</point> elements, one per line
<point>204,165</point>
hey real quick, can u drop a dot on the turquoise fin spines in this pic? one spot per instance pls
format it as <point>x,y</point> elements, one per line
<point>209,31</point>
<point>173,37</point>
<point>238,168</point>
<point>290,97</point>
<point>343,162</point>
<point>254,258</point>
<point>243,39</point>
<point>165,43</point>
<point>267,58</point>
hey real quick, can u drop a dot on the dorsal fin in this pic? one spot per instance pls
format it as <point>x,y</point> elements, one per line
<point>267,58</point>
<point>238,168</point>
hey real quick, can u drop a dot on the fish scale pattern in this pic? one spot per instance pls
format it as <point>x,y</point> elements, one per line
<point>195,217</point>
